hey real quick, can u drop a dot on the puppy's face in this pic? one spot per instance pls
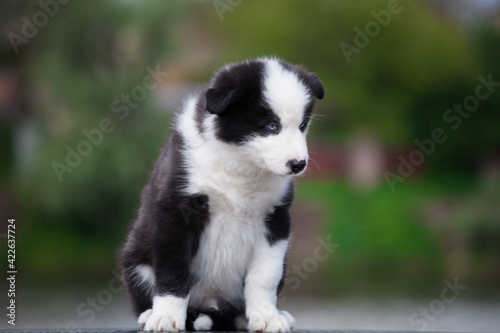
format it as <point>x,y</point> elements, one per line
<point>264,107</point>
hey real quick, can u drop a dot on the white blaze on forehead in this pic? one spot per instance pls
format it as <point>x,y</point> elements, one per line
<point>285,93</point>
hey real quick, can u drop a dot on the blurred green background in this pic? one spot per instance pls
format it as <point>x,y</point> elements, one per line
<point>406,207</point>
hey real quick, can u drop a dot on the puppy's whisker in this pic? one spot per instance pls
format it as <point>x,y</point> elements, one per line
<point>314,163</point>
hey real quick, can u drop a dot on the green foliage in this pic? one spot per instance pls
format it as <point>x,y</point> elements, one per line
<point>78,66</point>
<point>382,236</point>
<point>380,225</point>
<point>414,55</point>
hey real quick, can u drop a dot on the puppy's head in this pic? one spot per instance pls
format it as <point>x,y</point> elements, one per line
<point>264,107</point>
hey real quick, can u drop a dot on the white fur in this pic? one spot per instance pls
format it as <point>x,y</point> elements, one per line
<point>289,318</point>
<point>144,317</point>
<point>169,314</point>
<point>285,93</point>
<point>203,323</point>
<point>145,276</point>
<point>260,289</point>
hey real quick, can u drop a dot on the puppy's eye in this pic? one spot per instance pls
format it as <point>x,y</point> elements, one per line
<point>272,127</point>
<point>303,125</point>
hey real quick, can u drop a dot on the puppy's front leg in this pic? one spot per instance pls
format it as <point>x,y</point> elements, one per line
<point>261,289</point>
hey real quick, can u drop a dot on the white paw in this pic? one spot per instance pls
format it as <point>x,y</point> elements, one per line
<point>289,318</point>
<point>269,322</point>
<point>203,323</point>
<point>144,317</point>
<point>165,323</point>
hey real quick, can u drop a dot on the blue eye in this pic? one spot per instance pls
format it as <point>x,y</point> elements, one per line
<point>272,127</point>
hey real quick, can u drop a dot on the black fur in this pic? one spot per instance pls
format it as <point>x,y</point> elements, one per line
<point>278,222</point>
<point>278,226</point>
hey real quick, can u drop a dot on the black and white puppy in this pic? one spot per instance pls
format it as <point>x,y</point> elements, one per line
<point>207,251</point>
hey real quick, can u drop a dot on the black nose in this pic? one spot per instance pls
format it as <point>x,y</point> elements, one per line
<point>297,166</point>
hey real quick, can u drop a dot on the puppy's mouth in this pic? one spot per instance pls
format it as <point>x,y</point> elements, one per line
<point>286,172</point>
<point>296,174</point>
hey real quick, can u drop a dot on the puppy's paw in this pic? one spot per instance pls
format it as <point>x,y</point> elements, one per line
<point>144,317</point>
<point>289,318</point>
<point>272,321</point>
<point>165,323</point>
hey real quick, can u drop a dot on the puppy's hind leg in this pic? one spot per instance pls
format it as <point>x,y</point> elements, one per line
<point>139,281</point>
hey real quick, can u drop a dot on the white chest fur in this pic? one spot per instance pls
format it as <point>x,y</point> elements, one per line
<point>236,224</point>
<point>238,206</point>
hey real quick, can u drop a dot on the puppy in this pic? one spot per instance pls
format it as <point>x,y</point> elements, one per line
<point>207,250</point>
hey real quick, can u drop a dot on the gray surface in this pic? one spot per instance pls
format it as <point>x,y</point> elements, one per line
<point>61,311</point>
<point>114,330</point>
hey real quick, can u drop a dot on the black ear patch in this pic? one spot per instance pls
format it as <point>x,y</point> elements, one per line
<point>234,85</point>
<point>220,99</point>
<point>316,86</point>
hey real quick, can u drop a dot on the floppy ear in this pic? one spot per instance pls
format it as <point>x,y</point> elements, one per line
<point>316,86</point>
<point>219,99</point>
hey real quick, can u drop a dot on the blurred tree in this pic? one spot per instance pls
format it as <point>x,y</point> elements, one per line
<point>92,71</point>
<point>400,57</point>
